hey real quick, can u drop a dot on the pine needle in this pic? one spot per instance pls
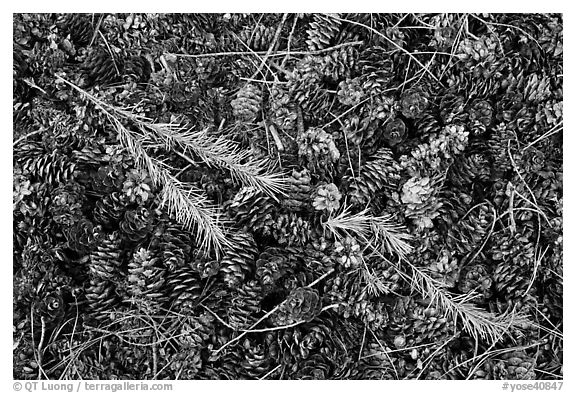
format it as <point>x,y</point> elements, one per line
<point>379,233</point>
<point>480,324</point>
<point>184,202</point>
<point>218,151</point>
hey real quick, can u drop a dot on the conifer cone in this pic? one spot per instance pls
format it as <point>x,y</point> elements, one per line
<point>106,259</point>
<point>256,362</point>
<point>374,364</point>
<point>381,173</point>
<point>302,304</point>
<point>183,288</point>
<point>239,259</point>
<point>172,243</point>
<point>258,38</point>
<point>477,278</point>
<point>413,103</point>
<point>478,54</point>
<point>298,193</point>
<point>252,210</point>
<point>248,103</point>
<point>469,233</point>
<point>452,109</point>
<point>350,92</point>
<point>340,64</point>
<point>323,29</point>
<point>316,367</point>
<point>273,264</point>
<point>480,116</point>
<point>83,236</point>
<point>108,179</point>
<point>245,305</point>
<point>426,124</point>
<point>110,209</point>
<point>137,224</point>
<point>186,363</point>
<point>78,26</point>
<point>304,81</point>
<point>317,149</point>
<point>198,330</point>
<point>282,110</point>
<point>50,168</point>
<point>519,365</point>
<point>377,69</point>
<point>100,68</point>
<point>469,168</point>
<point>395,132</point>
<point>418,194</point>
<point>146,279</point>
<point>291,229</point>
<point>137,69</point>
<point>67,203</point>
<point>101,297</point>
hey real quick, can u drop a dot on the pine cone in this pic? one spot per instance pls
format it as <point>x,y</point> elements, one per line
<point>273,264</point>
<point>108,179</point>
<point>480,116</point>
<point>452,109</point>
<point>252,209</point>
<point>322,31</point>
<point>137,224</point>
<point>83,236</point>
<point>110,209</point>
<point>479,54</point>
<point>469,169</point>
<point>106,260</point>
<point>102,298</point>
<point>256,362</point>
<point>317,149</point>
<point>183,288</point>
<point>302,304</point>
<point>78,26</point>
<point>101,68</point>
<point>291,229</point>
<point>339,64</point>
<point>198,331</point>
<point>394,132</point>
<point>519,365</point>
<point>381,173</point>
<point>137,69</point>
<point>245,305</point>
<point>146,280</point>
<point>477,278</point>
<point>350,92</point>
<point>258,38</point>
<point>172,243</point>
<point>327,198</point>
<point>248,103</point>
<point>413,103</point>
<point>239,259</point>
<point>50,168</point>
<point>377,69</point>
<point>282,109</point>
<point>67,203</point>
<point>138,186</point>
<point>299,190</point>
<point>186,363</point>
<point>348,253</point>
<point>418,194</point>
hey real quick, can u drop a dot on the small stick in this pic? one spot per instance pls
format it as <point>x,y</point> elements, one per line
<point>289,41</point>
<point>277,54</point>
<point>270,313</point>
<point>272,45</point>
